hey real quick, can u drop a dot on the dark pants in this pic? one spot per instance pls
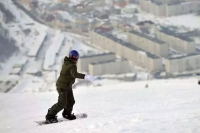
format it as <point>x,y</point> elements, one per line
<point>65,101</point>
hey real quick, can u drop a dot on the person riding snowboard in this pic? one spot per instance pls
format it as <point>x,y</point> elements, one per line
<point>64,84</point>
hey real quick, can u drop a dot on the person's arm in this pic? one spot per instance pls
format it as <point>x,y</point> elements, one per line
<point>75,74</point>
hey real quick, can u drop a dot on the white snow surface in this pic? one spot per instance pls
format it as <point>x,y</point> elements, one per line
<point>66,15</point>
<point>28,85</point>
<point>37,44</point>
<point>54,48</point>
<point>190,21</point>
<point>166,106</point>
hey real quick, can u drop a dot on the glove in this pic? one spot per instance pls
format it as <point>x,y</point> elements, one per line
<point>89,77</point>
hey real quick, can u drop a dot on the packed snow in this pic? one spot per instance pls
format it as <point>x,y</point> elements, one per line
<point>190,20</point>
<point>54,48</point>
<point>29,85</point>
<point>37,44</point>
<point>165,106</point>
<point>20,62</point>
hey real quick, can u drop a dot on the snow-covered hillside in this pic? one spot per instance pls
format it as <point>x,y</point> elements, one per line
<point>42,48</point>
<point>166,106</point>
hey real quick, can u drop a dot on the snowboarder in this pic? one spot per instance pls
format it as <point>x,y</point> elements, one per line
<point>64,84</point>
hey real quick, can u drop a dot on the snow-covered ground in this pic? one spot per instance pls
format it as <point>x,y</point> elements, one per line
<point>27,43</point>
<point>167,106</point>
<point>190,21</point>
<point>50,55</point>
<point>29,84</point>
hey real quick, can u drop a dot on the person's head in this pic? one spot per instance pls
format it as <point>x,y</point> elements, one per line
<point>74,55</point>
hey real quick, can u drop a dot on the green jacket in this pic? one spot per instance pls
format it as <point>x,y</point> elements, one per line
<point>68,74</point>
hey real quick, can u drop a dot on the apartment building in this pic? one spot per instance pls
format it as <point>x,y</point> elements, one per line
<point>109,67</point>
<point>169,1</point>
<point>83,62</point>
<point>139,57</point>
<point>26,1</point>
<point>121,3</point>
<point>183,64</point>
<point>153,7</point>
<point>170,9</point>
<point>63,1</point>
<point>147,43</point>
<point>177,41</point>
<point>99,2</point>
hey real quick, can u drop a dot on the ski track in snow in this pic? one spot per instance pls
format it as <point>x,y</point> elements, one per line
<point>166,106</point>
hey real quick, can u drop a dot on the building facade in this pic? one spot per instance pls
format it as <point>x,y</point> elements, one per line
<point>83,62</point>
<point>170,9</point>
<point>26,1</point>
<point>177,41</point>
<point>106,67</point>
<point>150,44</point>
<point>183,64</point>
<point>169,1</point>
<point>63,1</point>
<point>139,57</point>
<point>121,3</point>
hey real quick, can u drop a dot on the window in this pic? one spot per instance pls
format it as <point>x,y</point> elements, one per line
<point>188,66</point>
<point>197,63</point>
<point>187,63</point>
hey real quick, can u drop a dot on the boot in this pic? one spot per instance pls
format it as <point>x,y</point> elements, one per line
<point>68,116</point>
<point>51,118</point>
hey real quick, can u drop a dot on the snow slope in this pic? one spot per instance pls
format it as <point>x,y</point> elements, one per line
<point>167,106</point>
<point>50,55</point>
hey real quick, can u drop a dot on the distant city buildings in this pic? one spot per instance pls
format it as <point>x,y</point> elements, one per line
<point>63,1</point>
<point>183,64</point>
<point>146,44</point>
<point>85,60</point>
<point>178,41</point>
<point>170,7</point>
<point>152,51</point>
<point>138,56</point>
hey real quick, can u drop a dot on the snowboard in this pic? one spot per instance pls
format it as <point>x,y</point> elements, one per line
<point>78,116</point>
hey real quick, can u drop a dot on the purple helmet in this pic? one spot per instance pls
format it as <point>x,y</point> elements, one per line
<point>74,55</point>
